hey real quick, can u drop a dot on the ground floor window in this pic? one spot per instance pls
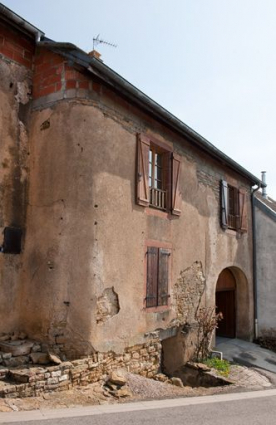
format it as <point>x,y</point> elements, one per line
<point>158,272</point>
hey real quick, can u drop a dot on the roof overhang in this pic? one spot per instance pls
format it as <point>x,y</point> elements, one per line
<point>111,78</point>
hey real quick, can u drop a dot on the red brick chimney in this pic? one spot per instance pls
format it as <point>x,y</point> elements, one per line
<point>95,54</point>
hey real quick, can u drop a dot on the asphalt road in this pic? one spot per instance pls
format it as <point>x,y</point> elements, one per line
<point>252,408</point>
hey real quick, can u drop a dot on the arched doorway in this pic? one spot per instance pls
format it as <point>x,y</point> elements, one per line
<point>226,304</point>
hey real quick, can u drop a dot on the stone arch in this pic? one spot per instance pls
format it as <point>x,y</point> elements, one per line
<point>232,291</point>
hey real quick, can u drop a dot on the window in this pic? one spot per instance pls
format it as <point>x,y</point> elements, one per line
<point>233,207</point>
<point>157,186</point>
<point>158,176</point>
<point>157,285</point>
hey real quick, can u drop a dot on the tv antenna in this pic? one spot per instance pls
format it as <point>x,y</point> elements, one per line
<point>97,40</point>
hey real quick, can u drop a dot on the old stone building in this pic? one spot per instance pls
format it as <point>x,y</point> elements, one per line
<point>119,221</point>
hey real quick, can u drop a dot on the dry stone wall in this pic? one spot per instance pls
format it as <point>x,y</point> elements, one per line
<point>33,380</point>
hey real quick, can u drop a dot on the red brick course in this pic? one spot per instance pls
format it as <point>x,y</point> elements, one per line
<point>51,71</point>
<point>53,74</point>
<point>16,47</point>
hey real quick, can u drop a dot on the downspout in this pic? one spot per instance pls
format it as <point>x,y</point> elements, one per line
<point>255,280</point>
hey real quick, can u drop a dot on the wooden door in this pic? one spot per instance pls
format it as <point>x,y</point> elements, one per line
<point>225,303</point>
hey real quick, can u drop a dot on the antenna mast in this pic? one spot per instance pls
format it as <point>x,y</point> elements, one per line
<point>97,40</point>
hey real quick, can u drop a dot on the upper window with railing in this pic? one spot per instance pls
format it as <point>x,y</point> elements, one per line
<point>158,175</point>
<point>158,193</point>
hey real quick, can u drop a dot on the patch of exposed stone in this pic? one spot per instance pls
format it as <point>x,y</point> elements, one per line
<point>107,305</point>
<point>188,291</point>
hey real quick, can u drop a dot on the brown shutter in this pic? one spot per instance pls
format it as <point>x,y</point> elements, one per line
<point>152,277</point>
<point>175,192</point>
<point>143,146</point>
<point>163,276</point>
<point>167,164</point>
<point>243,210</point>
<point>224,204</point>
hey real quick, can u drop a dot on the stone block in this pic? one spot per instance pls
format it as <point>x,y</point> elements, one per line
<point>54,358</point>
<point>56,373</point>
<point>39,358</point>
<point>17,347</point>
<point>20,375</point>
<point>117,378</point>
<point>36,348</point>
<point>67,365</point>
<point>50,387</point>
<point>51,381</point>
<point>16,361</point>
<point>177,382</point>
<point>39,384</point>
<point>6,356</point>
<point>63,378</point>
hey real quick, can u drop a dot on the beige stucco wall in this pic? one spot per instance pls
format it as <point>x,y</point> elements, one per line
<point>85,232</point>
<point>266,271</point>
<point>14,95</point>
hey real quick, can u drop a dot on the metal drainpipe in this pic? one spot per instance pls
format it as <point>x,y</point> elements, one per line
<point>255,280</point>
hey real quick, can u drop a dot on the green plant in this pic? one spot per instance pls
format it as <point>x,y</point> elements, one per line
<point>222,366</point>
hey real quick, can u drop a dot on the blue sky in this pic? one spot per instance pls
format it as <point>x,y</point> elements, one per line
<point>212,63</point>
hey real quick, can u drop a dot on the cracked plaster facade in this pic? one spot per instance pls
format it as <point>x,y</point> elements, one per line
<point>68,180</point>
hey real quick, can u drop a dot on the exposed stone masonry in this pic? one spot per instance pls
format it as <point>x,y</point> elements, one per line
<point>108,305</point>
<point>33,380</point>
<point>188,292</point>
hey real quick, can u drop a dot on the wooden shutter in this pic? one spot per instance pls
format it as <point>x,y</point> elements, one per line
<point>224,204</point>
<point>167,165</point>
<point>175,191</point>
<point>163,276</point>
<point>152,276</point>
<point>243,210</point>
<point>143,146</point>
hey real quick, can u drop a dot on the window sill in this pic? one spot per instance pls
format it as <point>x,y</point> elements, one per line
<point>159,309</point>
<point>237,233</point>
<point>157,213</point>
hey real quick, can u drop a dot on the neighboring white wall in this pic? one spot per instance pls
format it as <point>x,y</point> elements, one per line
<point>266,269</point>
